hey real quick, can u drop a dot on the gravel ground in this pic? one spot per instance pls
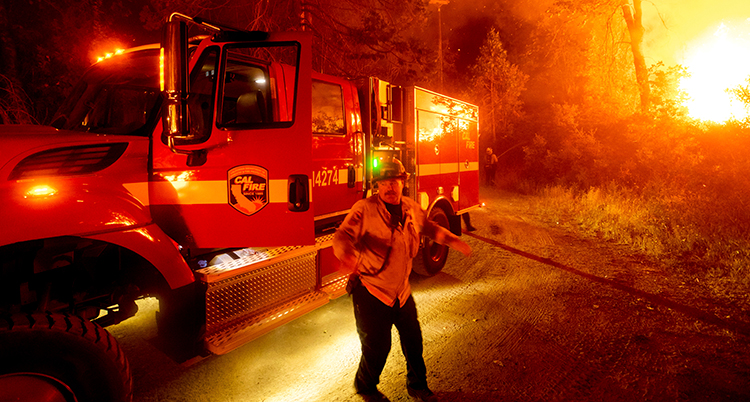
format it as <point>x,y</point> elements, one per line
<point>535,314</point>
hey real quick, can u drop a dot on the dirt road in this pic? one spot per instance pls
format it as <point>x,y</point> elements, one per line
<point>536,314</point>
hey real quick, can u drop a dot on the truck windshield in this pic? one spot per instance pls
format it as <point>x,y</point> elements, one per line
<point>119,95</point>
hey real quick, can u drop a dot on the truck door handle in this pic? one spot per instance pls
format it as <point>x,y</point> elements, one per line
<point>298,187</point>
<point>351,178</point>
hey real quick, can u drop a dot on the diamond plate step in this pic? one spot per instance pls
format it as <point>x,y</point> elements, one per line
<point>336,288</point>
<point>260,289</point>
<point>252,327</point>
<point>249,296</point>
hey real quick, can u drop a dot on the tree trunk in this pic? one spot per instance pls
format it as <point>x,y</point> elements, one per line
<point>633,18</point>
<point>493,107</point>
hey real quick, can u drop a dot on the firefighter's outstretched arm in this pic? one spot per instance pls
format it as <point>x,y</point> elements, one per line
<point>443,236</point>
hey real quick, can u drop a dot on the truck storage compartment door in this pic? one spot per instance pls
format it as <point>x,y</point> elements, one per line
<point>468,157</point>
<point>247,179</point>
<point>437,153</point>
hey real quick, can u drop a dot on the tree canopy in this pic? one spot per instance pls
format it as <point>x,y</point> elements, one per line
<point>563,89</point>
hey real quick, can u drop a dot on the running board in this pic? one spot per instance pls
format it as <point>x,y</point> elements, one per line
<point>334,284</point>
<point>264,289</point>
<point>253,327</point>
<point>336,288</point>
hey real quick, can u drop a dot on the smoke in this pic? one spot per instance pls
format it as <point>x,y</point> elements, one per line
<point>671,25</point>
<point>466,24</point>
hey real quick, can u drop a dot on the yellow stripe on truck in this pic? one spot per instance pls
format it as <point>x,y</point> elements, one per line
<point>473,166</point>
<point>196,192</point>
<point>139,191</point>
<point>429,169</point>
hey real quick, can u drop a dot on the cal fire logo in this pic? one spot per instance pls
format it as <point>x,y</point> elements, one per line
<point>248,188</point>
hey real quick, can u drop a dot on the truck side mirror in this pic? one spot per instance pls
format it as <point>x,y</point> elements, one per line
<point>175,79</point>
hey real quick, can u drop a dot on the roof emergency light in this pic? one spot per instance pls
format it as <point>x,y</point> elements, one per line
<point>110,55</point>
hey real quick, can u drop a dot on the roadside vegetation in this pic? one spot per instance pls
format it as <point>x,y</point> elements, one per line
<point>607,146</point>
<point>701,238</point>
<point>673,189</point>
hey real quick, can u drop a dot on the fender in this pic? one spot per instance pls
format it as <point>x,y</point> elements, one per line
<point>103,196</point>
<point>446,205</point>
<point>85,185</point>
<point>440,201</point>
<point>151,243</point>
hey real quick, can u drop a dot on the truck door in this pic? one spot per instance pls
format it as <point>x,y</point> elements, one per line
<point>338,157</point>
<point>242,177</point>
<point>468,157</point>
<point>437,150</point>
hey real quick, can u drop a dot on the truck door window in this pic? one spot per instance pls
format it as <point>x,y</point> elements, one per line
<point>327,108</point>
<point>245,92</point>
<point>201,97</point>
<point>259,87</point>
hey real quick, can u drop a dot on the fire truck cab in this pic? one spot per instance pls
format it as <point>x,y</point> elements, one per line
<point>210,173</point>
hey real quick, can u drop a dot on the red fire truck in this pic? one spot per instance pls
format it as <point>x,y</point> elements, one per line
<point>189,172</point>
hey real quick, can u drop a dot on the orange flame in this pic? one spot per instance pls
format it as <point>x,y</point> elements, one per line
<point>717,63</point>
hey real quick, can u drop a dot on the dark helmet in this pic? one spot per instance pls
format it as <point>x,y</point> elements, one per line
<point>392,169</point>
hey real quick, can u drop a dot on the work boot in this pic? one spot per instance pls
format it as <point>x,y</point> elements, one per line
<point>372,396</point>
<point>369,394</point>
<point>422,395</point>
<point>378,397</point>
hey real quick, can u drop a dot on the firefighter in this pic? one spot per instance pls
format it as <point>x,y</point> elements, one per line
<point>376,243</point>
<point>490,166</point>
<point>467,221</point>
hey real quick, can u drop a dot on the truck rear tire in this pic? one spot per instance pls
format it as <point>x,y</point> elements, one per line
<point>432,257</point>
<point>60,358</point>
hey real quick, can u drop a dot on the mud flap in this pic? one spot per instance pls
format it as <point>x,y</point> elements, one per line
<point>181,322</point>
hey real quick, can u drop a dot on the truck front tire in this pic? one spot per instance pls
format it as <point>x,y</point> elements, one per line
<point>432,257</point>
<point>63,357</point>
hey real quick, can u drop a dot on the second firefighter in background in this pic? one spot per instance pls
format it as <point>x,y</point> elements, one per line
<point>376,243</point>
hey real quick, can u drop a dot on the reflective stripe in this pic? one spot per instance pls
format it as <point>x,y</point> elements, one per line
<point>429,169</point>
<point>277,191</point>
<point>189,192</point>
<point>343,176</point>
<point>139,191</point>
<point>473,166</point>
<point>199,192</point>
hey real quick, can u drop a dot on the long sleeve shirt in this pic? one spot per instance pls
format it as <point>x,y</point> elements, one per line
<point>384,251</point>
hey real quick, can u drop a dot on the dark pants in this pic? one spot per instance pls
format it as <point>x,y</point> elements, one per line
<point>489,174</point>
<point>374,323</point>
<point>467,221</point>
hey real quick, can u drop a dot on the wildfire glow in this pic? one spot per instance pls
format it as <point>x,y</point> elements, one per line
<point>716,64</point>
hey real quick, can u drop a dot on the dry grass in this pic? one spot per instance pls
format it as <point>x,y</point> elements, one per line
<point>699,236</point>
